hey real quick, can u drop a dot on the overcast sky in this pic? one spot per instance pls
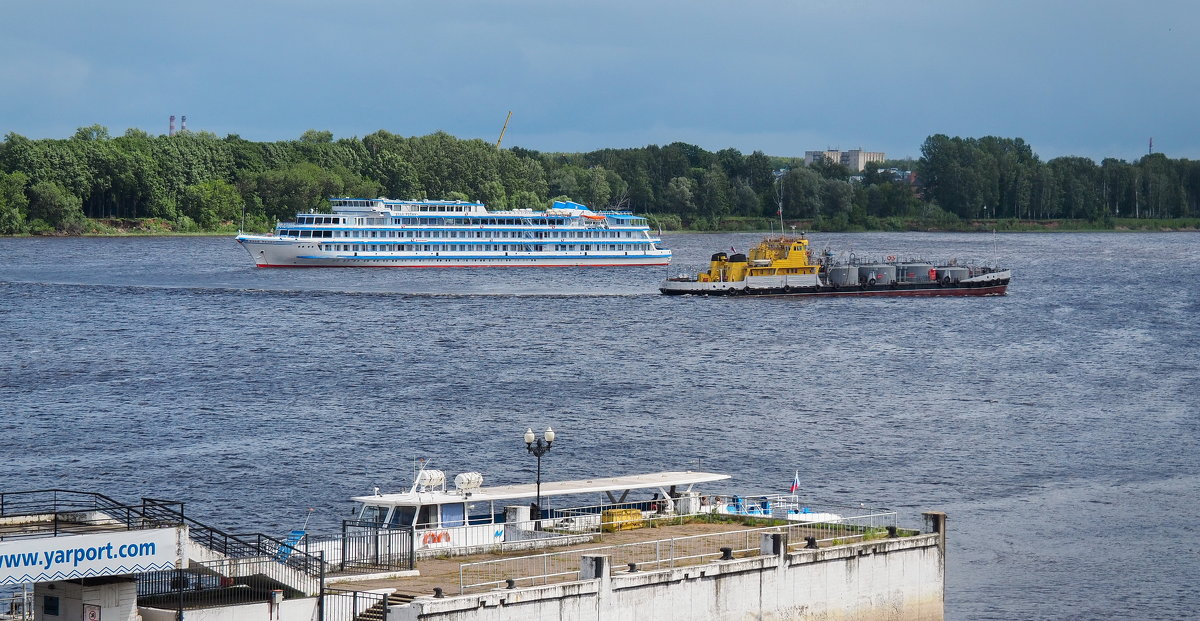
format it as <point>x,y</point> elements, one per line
<point>1096,78</point>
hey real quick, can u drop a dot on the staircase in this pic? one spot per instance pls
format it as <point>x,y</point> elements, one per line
<point>374,612</point>
<point>57,512</point>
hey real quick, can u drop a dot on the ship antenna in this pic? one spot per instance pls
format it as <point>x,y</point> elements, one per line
<point>779,197</point>
<point>419,464</point>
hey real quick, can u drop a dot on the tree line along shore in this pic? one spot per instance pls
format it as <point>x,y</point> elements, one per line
<point>197,183</point>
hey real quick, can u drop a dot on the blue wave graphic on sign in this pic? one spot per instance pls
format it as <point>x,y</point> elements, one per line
<point>90,573</point>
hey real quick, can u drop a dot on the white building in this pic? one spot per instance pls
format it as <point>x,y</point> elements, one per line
<point>855,159</point>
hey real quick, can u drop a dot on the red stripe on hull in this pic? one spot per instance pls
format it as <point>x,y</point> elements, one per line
<point>930,292</point>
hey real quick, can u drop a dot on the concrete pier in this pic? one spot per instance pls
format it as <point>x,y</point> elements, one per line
<point>897,579</point>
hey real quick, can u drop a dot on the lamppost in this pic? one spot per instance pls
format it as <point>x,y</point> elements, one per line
<point>537,448</point>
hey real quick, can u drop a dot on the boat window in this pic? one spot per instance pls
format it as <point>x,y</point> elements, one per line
<point>428,516</point>
<point>453,515</point>
<point>403,516</point>
<point>373,513</point>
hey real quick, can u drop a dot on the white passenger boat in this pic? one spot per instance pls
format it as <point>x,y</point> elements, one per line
<point>472,518</point>
<point>403,233</point>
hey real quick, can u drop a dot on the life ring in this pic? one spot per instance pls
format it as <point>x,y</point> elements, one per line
<point>870,282</point>
<point>946,280</point>
<point>891,257</point>
<point>433,537</point>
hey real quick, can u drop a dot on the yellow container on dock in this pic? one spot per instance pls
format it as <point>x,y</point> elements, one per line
<point>613,520</point>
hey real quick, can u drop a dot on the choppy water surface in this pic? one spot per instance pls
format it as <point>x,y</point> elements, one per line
<point>1057,425</point>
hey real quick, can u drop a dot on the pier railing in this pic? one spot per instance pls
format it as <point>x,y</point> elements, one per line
<point>55,512</point>
<point>844,525</point>
<point>343,605</point>
<point>222,583</point>
<point>368,546</point>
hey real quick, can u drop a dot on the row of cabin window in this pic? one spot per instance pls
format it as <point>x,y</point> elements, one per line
<point>439,208</point>
<point>462,234</point>
<point>475,247</point>
<point>479,221</point>
<point>452,515</point>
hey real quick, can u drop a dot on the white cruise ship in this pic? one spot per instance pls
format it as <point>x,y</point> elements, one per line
<point>403,233</point>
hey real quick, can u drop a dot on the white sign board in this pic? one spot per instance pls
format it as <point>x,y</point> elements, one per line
<point>81,556</point>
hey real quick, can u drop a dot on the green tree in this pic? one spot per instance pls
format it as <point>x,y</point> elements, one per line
<point>397,175</point>
<point>91,132</point>
<point>313,136</point>
<point>595,191</point>
<point>714,191</point>
<point>681,196</point>
<point>13,202</point>
<point>210,203</point>
<point>53,204</point>
<point>760,173</point>
<point>802,193</point>
<point>299,188</point>
<point>837,197</point>
<point>830,169</point>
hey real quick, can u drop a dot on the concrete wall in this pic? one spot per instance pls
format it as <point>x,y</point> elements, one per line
<point>302,609</point>
<point>116,597</point>
<point>894,579</point>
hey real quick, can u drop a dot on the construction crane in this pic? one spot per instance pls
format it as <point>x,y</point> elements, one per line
<point>503,128</point>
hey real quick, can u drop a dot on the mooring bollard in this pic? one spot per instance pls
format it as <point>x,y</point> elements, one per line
<point>632,567</point>
<point>437,593</point>
<point>892,532</point>
<point>810,543</point>
<point>512,584</point>
<point>726,554</point>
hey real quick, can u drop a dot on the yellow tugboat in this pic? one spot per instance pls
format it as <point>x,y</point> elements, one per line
<point>785,265</point>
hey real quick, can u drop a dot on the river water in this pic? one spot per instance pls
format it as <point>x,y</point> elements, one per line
<point>1057,426</point>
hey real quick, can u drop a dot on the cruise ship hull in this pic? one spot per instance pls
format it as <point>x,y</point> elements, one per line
<point>270,252</point>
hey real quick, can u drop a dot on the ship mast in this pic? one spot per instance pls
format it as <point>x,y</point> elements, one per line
<point>779,197</point>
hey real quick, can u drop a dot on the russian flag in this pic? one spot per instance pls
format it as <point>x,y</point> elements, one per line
<point>795,483</point>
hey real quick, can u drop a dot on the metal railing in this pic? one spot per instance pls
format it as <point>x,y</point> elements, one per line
<point>17,605</point>
<point>680,551</point>
<point>342,605</point>
<point>369,546</point>
<point>55,512</point>
<point>226,582</point>
<point>67,512</point>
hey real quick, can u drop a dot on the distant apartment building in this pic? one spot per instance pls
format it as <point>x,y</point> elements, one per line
<point>855,159</point>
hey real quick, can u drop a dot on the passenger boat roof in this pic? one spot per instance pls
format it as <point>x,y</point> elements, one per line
<point>549,488</point>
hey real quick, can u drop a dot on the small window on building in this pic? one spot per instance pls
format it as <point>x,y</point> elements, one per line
<point>50,606</point>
